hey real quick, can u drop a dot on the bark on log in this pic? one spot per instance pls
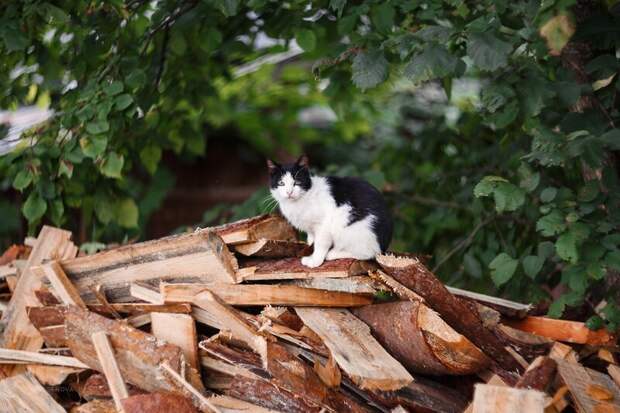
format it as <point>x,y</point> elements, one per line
<point>158,402</point>
<point>292,268</point>
<point>271,248</point>
<point>417,337</point>
<point>459,314</point>
<point>23,393</point>
<point>538,375</point>
<point>273,227</point>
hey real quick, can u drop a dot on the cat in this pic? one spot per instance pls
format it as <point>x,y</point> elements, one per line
<point>343,217</point>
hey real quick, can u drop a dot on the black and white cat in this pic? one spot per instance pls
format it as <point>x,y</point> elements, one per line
<point>344,217</point>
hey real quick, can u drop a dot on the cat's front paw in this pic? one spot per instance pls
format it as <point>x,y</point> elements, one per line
<point>311,261</point>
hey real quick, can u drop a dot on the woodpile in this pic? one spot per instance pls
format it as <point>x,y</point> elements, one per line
<point>226,319</point>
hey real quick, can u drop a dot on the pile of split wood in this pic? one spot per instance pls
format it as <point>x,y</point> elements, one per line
<point>226,319</point>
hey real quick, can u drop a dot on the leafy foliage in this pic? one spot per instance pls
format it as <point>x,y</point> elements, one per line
<point>495,148</point>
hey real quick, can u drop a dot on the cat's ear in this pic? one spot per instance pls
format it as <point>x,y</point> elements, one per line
<point>272,165</point>
<point>303,161</point>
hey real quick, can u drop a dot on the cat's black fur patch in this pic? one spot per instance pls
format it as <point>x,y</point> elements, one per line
<point>301,174</point>
<point>364,200</point>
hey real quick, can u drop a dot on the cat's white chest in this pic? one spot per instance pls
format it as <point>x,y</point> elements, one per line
<point>303,215</point>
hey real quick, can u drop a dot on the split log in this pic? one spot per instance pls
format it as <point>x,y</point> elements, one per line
<point>528,345</point>
<point>359,284</point>
<point>200,257</point>
<point>421,340</point>
<point>562,330</point>
<point>180,330</point>
<point>95,406</point>
<point>110,368</point>
<point>273,227</point>
<point>51,375</point>
<point>492,399</point>
<point>19,333</point>
<point>13,253</point>
<point>538,375</point>
<point>270,248</point>
<point>292,268</point>
<point>357,353</point>
<point>27,357</point>
<point>561,351</point>
<point>158,402</point>
<point>96,387</point>
<point>23,393</point>
<point>65,290</point>
<point>231,405</point>
<point>145,293</point>
<point>397,288</point>
<point>614,372</point>
<point>591,390</point>
<point>192,393</point>
<point>460,314</point>
<point>138,354</point>
<point>505,307</point>
<point>259,294</point>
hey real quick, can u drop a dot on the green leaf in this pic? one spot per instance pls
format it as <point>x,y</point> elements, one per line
<point>508,197</point>
<point>551,224</point>
<point>113,88</point>
<point>211,40</point>
<point>135,78</point>
<point>93,146</point>
<point>13,38</point>
<point>22,179</point>
<point>596,271</point>
<point>472,265</point>
<point>150,156</point>
<point>595,323</point>
<point>434,62</point>
<point>369,69</point>
<point>566,247</point>
<point>178,45</point>
<point>127,213</point>
<point>545,249</point>
<point>337,6</point>
<point>227,7</point>
<point>487,185</point>
<point>97,127</point>
<point>306,39</point>
<point>502,268</point>
<point>382,17</point>
<point>548,194</point>
<point>532,265</point>
<point>487,51</point>
<point>104,208</point>
<point>121,102</point>
<point>612,260</point>
<point>34,207</point>
<point>557,31</point>
<point>65,168</point>
<point>113,165</point>
<point>57,211</point>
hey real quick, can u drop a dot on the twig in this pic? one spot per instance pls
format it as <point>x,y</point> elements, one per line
<point>463,243</point>
<point>162,58</point>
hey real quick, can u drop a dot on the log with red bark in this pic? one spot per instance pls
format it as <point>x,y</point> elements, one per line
<point>271,227</point>
<point>272,248</point>
<point>460,314</point>
<point>421,340</point>
<point>292,268</point>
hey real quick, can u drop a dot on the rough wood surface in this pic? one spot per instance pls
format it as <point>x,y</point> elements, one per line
<point>197,398</point>
<point>397,288</point>
<point>538,375</point>
<point>292,268</point>
<point>493,399</point>
<point>95,406</point>
<point>8,356</point>
<point>560,351</point>
<point>51,375</point>
<point>96,387</point>
<point>460,314</point>
<point>200,256</point>
<point>23,393</point>
<point>158,402</point>
<point>614,373</point>
<point>420,339</point>
<point>271,248</point>
<point>145,293</point>
<point>258,294</point>
<point>138,354</point>
<point>506,307</point>
<point>580,380</point>
<point>355,350</point>
<point>112,373</point>
<point>273,227</point>
<point>562,330</point>
<point>19,333</point>
<point>180,330</point>
<point>228,404</point>
<point>355,284</point>
<point>62,286</point>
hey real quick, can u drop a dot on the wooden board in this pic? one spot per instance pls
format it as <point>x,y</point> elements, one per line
<point>421,340</point>
<point>273,227</point>
<point>180,330</point>
<point>562,330</point>
<point>493,399</point>
<point>581,382</point>
<point>356,284</point>
<point>21,356</point>
<point>19,333</point>
<point>200,257</point>
<point>228,404</point>
<point>112,373</point>
<point>23,393</point>
<point>271,248</point>
<point>357,353</point>
<point>259,294</point>
<point>62,286</point>
<point>506,307</point>
<point>292,268</point>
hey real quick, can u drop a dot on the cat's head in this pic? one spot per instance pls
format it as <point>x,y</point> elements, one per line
<point>289,182</point>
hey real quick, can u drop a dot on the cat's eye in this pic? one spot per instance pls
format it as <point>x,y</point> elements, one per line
<point>281,183</point>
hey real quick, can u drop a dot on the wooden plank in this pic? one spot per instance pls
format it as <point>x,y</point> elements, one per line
<point>539,375</point>
<point>138,354</point>
<point>145,293</point>
<point>23,393</point>
<point>51,375</point>
<point>358,284</point>
<point>271,248</point>
<point>158,402</point>
<point>582,381</point>
<point>614,372</point>
<point>292,269</point>
<point>397,288</point>
<point>198,399</point>
<point>492,399</point>
<point>112,373</point>
<point>460,314</point>
<point>19,333</point>
<point>506,307</point>
<point>272,226</point>
<point>21,356</point>
<point>562,330</point>
<point>421,340</point>
<point>357,353</point>
<point>64,288</point>
<point>560,351</point>
<point>258,294</point>
<point>180,330</point>
<point>228,404</point>
<point>96,406</point>
<point>200,256</point>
